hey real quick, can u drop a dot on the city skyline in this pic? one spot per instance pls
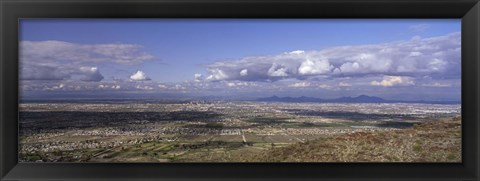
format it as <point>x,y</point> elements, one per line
<point>392,59</point>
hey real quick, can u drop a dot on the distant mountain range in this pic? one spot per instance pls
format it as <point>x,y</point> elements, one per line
<point>358,99</point>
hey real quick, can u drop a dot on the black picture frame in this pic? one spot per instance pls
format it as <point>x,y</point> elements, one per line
<point>12,10</point>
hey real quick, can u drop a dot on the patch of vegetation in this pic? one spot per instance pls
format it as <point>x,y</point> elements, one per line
<point>417,148</point>
<point>269,120</point>
<point>311,125</point>
<point>33,158</point>
<point>214,125</point>
<point>395,124</point>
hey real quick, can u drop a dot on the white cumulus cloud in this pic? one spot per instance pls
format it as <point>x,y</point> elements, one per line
<point>300,84</point>
<point>91,74</point>
<point>244,72</point>
<point>296,52</point>
<point>116,87</point>
<point>237,84</point>
<point>277,71</point>
<point>325,86</point>
<point>217,74</point>
<point>144,87</point>
<point>139,76</point>
<point>314,67</point>
<point>197,77</point>
<point>389,81</point>
<point>162,86</point>
<point>438,57</point>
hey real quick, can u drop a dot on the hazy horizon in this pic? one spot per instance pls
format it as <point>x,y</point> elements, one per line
<point>166,96</point>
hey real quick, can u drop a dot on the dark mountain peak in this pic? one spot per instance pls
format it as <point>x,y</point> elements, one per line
<point>358,99</point>
<point>369,98</point>
<point>363,96</point>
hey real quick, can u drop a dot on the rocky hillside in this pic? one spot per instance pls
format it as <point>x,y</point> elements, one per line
<point>435,141</point>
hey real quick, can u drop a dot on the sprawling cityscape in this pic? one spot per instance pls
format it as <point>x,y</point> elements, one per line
<point>211,131</point>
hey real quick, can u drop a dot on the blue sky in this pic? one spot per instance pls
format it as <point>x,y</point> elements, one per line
<point>165,55</point>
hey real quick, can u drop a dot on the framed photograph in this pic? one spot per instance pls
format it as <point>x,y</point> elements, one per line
<point>239,90</point>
